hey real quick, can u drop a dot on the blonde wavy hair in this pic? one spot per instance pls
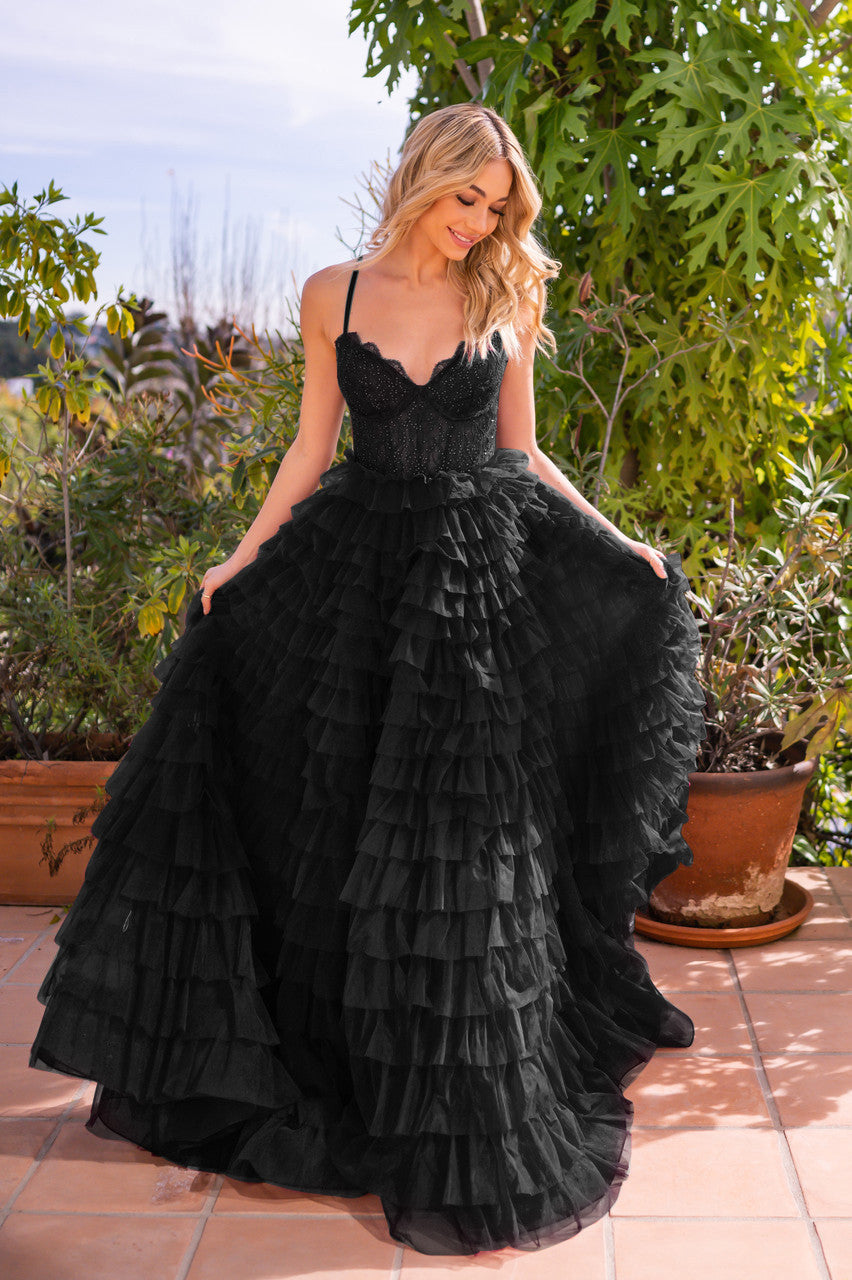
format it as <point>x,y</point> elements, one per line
<point>503,271</point>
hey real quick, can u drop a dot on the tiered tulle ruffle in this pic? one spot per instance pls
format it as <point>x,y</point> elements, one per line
<point>360,913</point>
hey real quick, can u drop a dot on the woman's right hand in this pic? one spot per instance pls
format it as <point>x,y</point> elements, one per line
<point>217,575</point>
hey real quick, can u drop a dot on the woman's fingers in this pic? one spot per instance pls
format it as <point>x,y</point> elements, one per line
<point>654,557</point>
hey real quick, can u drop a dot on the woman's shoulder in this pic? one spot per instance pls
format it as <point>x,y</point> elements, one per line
<point>323,296</point>
<point>329,275</point>
<point>337,274</point>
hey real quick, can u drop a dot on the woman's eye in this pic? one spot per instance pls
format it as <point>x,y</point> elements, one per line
<point>468,203</point>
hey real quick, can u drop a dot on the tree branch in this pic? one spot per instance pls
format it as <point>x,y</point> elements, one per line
<point>476,26</point>
<point>66,510</point>
<point>822,12</point>
<point>623,392</point>
<point>835,52</point>
<point>817,14</point>
<point>24,735</point>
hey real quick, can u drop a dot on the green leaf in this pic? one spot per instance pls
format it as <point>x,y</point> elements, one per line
<point>150,619</point>
<point>738,202</point>
<point>84,411</point>
<point>619,14</point>
<point>510,56</point>
<point>539,51</point>
<point>256,476</point>
<point>177,591</point>
<point>615,147</point>
<point>559,124</point>
<point>572,18</point>
<point>676,76</point>
<point>238,476</point>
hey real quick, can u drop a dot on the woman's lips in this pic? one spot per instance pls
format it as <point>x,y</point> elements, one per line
<point>460,240</point>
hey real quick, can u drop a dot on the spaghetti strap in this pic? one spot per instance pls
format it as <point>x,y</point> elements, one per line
<point>352,279</point>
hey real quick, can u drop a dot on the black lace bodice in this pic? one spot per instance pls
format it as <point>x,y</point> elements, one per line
<point>405,428</point>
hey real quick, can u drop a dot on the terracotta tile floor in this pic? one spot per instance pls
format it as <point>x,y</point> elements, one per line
<point>740,1163</point>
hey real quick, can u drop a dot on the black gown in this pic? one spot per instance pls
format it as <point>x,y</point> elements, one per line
<point>360,913</point>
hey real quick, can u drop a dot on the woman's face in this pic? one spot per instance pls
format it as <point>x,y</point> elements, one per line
<point>457,221</point>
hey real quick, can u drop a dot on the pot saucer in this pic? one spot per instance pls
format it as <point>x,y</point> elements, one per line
<point>796,903</point>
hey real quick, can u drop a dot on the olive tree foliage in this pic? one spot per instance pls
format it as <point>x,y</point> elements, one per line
<point>697,158</point>
<point>45,264</point>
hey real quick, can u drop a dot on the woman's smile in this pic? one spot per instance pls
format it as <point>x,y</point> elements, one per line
<point>460,239</point>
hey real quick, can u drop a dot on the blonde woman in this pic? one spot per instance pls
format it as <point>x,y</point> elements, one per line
<point>360,914</point>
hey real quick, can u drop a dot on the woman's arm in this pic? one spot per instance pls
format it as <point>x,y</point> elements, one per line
<point>320,416</point>
<point>516,430</point>
<point>315,443</point>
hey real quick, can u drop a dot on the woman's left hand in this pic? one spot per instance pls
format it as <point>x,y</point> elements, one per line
<point>649,553</point>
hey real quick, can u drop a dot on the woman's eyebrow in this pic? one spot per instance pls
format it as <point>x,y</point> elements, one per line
<point>480,192</point>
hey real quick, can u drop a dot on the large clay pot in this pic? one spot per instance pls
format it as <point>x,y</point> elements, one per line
<point>31,791</point>
<point>740,827</point>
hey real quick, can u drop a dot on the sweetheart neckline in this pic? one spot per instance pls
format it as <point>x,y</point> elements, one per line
<point>369,345</point>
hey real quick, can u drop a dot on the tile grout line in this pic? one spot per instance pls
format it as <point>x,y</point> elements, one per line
<point>847,911</point>
<point>37,1159</point>
<point>34,945</point>
<point>609,1248</point>
<point>396,1265</point>
<point>774,991</point>
<point>784,1148</point>
<point>203,1217</point>
<point>728,1128</point>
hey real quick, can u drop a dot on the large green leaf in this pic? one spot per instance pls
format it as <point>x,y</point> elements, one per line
<point>737,203</point>
<point>619,15</point>
<point>615,148</point>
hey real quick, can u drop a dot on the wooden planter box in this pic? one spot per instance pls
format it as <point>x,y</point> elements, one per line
<point>31,793</point>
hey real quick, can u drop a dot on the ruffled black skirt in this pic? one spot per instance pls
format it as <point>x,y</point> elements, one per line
<point>360,914</point>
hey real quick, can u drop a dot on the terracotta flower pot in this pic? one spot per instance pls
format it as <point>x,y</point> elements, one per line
<point>740,828</point>
<point>31,792</point>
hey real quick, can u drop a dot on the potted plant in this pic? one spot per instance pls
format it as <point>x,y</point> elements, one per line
<point>775,670</point>
<point>75,681</point>
<point>107,512</point>
<point>775,661</point>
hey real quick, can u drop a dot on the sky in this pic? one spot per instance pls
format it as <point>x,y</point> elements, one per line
<point>250,121</point>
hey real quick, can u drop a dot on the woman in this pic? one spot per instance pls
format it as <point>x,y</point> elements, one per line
<point>360,914</point>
